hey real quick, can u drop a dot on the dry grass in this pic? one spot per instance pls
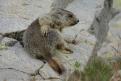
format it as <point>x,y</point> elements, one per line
<point>117,56</point>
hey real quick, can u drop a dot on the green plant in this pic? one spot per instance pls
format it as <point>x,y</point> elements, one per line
<point>98,70</point>
<point>2,46</point>
<point>77,65</point>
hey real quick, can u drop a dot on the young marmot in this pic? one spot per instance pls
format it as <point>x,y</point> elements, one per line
<point>39,45</point>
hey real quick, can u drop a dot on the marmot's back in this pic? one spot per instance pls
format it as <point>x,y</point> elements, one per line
<point>35,42</point>
<point>41,46</point>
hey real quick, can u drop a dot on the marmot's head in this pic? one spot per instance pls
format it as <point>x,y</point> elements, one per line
<point>59,19</point>
<point>63,17</point>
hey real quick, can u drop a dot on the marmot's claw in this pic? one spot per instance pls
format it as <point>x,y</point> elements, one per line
<point>44,31</point>
<point>67,51</point>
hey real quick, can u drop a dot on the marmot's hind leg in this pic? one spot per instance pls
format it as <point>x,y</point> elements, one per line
<point>62,46</point>
<point>41,58</point>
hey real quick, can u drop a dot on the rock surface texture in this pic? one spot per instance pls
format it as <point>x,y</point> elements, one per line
<point>16,15</point>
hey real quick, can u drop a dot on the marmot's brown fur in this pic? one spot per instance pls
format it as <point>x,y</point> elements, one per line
<point>43,36</point>
<point>57,19</point>
<point>39,45</point>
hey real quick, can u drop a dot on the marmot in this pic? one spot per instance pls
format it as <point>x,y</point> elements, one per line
<point>39,45</point>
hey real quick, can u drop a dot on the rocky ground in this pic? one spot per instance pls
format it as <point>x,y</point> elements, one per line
<point>15,15</point>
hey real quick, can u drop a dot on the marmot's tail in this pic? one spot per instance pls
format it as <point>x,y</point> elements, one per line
<point>56,66</point>
<point>18,35</point>
<point>15,35</point>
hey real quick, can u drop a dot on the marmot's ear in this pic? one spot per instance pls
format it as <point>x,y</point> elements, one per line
<point>57,11</point>
<point>54,10</point>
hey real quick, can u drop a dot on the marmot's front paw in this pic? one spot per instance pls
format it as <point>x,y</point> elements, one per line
<point>75,42</point>
<point>44,30</point>
<point>67,51</point>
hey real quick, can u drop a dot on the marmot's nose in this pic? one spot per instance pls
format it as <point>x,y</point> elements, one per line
<point>77,21</point>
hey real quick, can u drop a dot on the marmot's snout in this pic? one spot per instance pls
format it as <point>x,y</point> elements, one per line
<point>77,21</point>
<point>64,18</point>
<point>71,19</point>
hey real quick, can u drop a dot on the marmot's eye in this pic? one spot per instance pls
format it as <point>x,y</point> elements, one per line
<point>70,15</point>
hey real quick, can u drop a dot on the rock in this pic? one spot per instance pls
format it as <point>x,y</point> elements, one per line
<point>11,75</point>
<point>16,64</point>
<point>61,3</point>
<point>15,17</point>
<point>115,26</point>
<point>47,72</point>
<point>113,44</point>
<point>117,4</point>
<point>18,14</point>
<point>8,41</point>
<point>85,12</point>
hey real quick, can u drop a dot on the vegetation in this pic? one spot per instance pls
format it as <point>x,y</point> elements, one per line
<point>2,46</point>
<point>97,70</point>
<point>77,65</point>
<point>117,3</point>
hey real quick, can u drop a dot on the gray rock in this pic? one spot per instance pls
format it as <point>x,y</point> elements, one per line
<point>18,14</point>
<point>15,17</point>
<point>100,26</point>
<point>61,3</point>
<point>11,75</point>
<point>113,46</point>
<point>8,41</point>
<point>16,61</point>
